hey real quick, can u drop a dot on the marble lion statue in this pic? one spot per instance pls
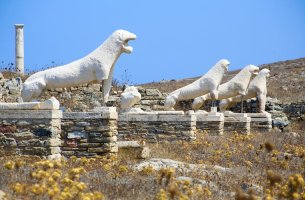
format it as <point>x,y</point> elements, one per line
<point>236,86</point>
<point>97,66</point>
<point>257,88</point>
<point>208,83</point>
<point>130,97</point>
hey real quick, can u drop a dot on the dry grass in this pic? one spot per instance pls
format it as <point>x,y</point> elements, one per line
<point>266,165</point>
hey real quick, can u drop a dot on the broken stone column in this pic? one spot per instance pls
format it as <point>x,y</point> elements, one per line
<point>19,50</point>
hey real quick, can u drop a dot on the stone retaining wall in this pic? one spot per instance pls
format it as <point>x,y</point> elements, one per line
<point>157,126</point>
<point>237,122</point>
<point>10,89</point>
<point>260,121</point>
<point>30,132</point>
<point>89,133</point>
<point>211,123</point>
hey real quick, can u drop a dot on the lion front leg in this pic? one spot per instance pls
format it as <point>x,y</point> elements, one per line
<point>226,104</point>
<point>198,102</point>
<point>262,103</point>
<point>214,94</point>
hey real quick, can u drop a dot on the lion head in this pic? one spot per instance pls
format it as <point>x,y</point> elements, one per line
<point>252,69</point>
<point>123,37</point>
<point>264,72</point>
<point>223,63</point>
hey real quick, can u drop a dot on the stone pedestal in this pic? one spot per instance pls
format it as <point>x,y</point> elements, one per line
<point>30,132</point>
<point>19,49</point>
<point>236,122</point>
<point>260,121</point>
<point>157,126</point>
<point>211,123</point>
<point>90,133</point>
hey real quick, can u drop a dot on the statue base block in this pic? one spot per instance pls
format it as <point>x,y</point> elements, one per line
<point>237,122</point>
<point>30,132</point>
<point>90,133</point>
<point>211,123</point>
<point>157,126</point>
<point>260,121</point>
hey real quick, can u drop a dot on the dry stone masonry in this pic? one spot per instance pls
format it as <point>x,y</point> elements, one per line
<point>30,132</point>
<point>237,122</point>
<point>211,123</point>
<point>89,133</point>
<point>260,121</point>
<point>157,126</point>
<point>51,133</point>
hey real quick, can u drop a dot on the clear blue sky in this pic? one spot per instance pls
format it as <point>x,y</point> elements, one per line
<point>176,39</point>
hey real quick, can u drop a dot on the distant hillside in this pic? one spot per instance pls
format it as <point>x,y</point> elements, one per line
<point>286,83</point>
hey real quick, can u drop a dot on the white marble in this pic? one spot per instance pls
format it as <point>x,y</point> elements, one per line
<point>208,83</point>
<point>19,49</point>
<point>95,67</point>
<point>237,85</point>
<point>50,104</point>
<point>30,114</point>
<point>129,98</point>
<point>257,88</point>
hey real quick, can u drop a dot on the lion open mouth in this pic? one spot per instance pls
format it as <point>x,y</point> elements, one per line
<point>126,47</point>
<point>255,72</point>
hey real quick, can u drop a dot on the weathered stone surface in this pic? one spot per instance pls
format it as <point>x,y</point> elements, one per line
<point>235,86</point>
<point>97,135</point>
<point>103,139</point>
<point>82,124</point>
<point>257,88</point>
<point>98,113</point>
<point>23,135</point>
<point>129,98</point>
<point>42,132</point>
<point>97,66</point>
<point>133,149</point>
<point>30,114</point>
<point>237,122</point>
<point>8,142</point>
<point>77,135</point>
<point>30,135</point>
<point>7,128</point>
<point>205,84</point>
<point>50,104</point>
<point>153,92</point>
<point>154,127</point>
<point>23,123</point>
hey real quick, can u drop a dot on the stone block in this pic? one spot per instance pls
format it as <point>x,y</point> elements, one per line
<point>133,149</point>
<point>103,139</point>
<point>8,142</point>
<point>30,114</point>
<point>153,92</point>
<point>82,124</point>
<point>39,151</point>
<point>77,135</point>
<point>23,135</point>
<point>23,123</point>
